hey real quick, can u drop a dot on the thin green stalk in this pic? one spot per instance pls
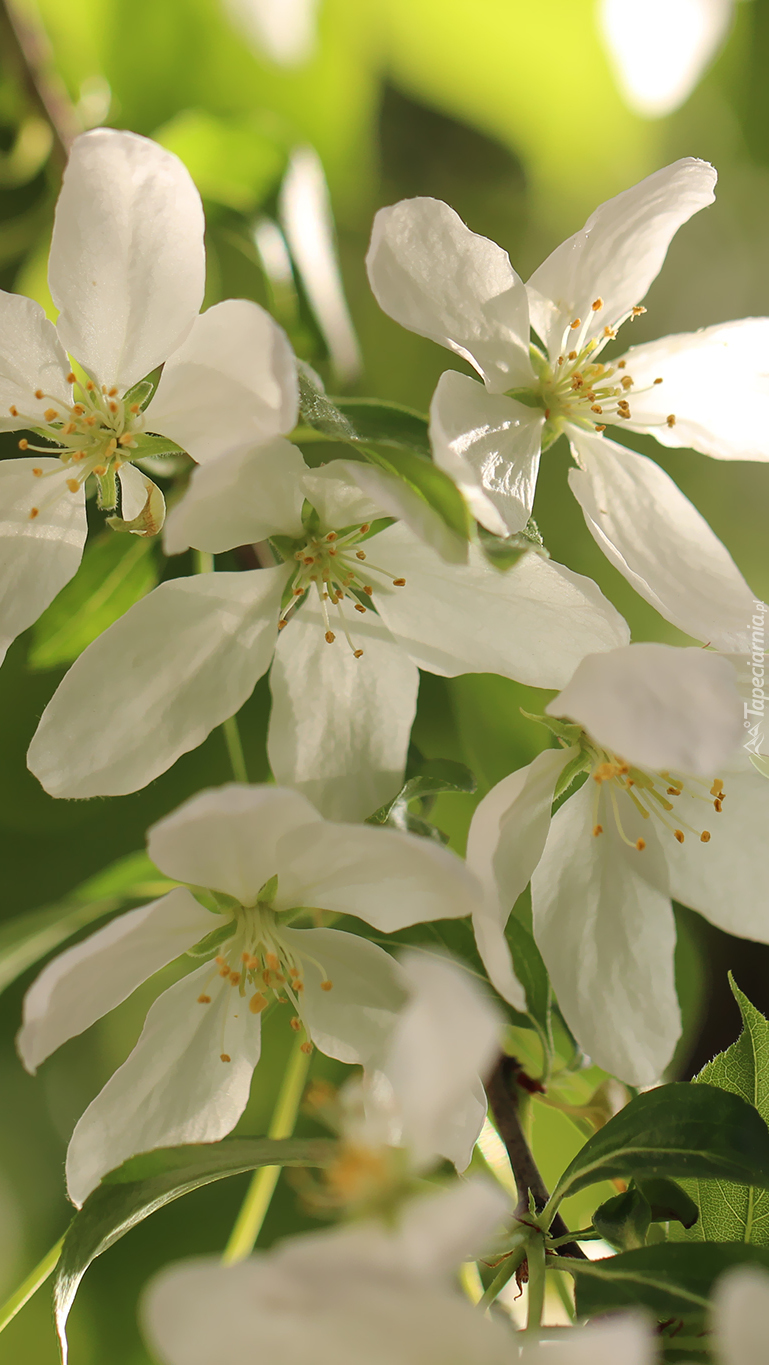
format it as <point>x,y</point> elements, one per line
<point>536,1300</point>
<point>562,1290</point>
<point>257,1201</point>
<point>30,1286</point>
<point>508,1269</point>
<point>204,563</point>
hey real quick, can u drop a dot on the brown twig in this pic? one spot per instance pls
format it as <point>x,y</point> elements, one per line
<point>500,1088</point>
<point>27,53</point>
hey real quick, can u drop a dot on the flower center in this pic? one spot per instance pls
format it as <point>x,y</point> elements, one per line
<point>654,795</point>
<point>261,968</point>
<point>579,389</point>
<point>93,433</point>
<point>339,569</point>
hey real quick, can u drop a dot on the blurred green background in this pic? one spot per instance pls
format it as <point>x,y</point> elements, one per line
<point>512,112</point>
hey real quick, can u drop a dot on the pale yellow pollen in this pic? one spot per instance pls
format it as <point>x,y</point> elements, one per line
<point>638,309</point>
<point>225,1057</point>
<point>112,392</point>
<point>640,845</point>
<point>273,961</point>
<point>705,837</point>
<point>34,512</point>
<point>621,364</point>
<point>658,381</point>
<point>679,834</point>
<point>360,554</point>
<point>50,414</point>
<point>257,1003</point>
<point>326,985</point>
<point>13,411</point>
<point>329,637</point>
<point>360,607</point>
<point>596,407</point>
<point>23,444</point>
<point>399,582</point>
<point>365,528</point>
<point>204,1000</point>
<point>357,654</point>
<point>39,394</point>
<point>671,419</point>
<point>597,829</point>
<point>575,324</point>
<point>598,303</point>
<point>609,333</point>
<point>306,1048</point>
<point>71,378</point>
<point>296,1024</point>
<point>72,485</point>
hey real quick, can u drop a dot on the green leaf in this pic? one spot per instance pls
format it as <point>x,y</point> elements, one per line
<point>669,1202</point>
<point>730,1212</point>
<point>146,1183</point>
<point>676,1130</point>
<point>114,574</point>
<point>430,482</point>
<point>33,935</point>
<point>207,946</point>
<point>532,974</point>
<point>670,1279</point>
<point>386,424</point>
<point>624,1220</point>
<point>236,161</point>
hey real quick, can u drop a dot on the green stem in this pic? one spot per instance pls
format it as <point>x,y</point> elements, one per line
<point>257,1201</point>
<point>204,563</point>
<point>34,1280</point>
<point>505,1273</point>
<point>536,1260</point>
<point>562,1289</point>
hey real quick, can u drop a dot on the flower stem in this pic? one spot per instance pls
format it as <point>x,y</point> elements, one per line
<point>257,1201</point>
<point>536,1284</point>
<point>30,1286</point>
<point>204,563</point>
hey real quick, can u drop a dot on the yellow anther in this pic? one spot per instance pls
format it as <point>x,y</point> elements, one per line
<point>296,1024</point>
<point>72,485</point>
<point>38,473</point>
<point>282,625</point>
<point>78,409</point>
<point>705,837</point>
<point>671,419</point>
<point>234,978</point>
<point>640,845</point>
<point>112,392</point>
<point>357,654</point>
<point>49,414</point>
<point>609,333</point>
<point>597,829</point>
<point>621,364</point>
<point>34,512</point>
<point>399,582</point>
<point>601,427</point>
<point>113,407</point>
<point>135,407</point>
<point>658,381</point>
<point>369,591</point>
<point>90,386</point>
<point>718,804</point>
<point>225,1057</point>
<point>126,439</point>
<point>100,469</point>
<point>299,986</point>
<point>626,381</point>
<point>360,607</point>
<point>204,1000</point>
<point>360,554</point>
<point>717,788</point>
<point>326,985</point>
<point>330,637</point>
<point>365,528</point>
<point>306,1048</point>
<point>679,835</point>
<point>598,303</point>
<point>23,444</point>
<point>71,378</point>
<point>331,535</point>
<point>575,324</point>
<point>596,408</point>
<point>273,961</point>
<point>13,411</point>
<point>104,388</point>
<point>637,310</point>
<point>39,394</point>
<point>572,355</point>
<point>257,1003</point>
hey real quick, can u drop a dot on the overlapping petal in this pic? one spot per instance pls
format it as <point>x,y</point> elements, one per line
<point>616,255</point>
<point>657,706</point>
<point>38,554</point>
<point>232,382</point>
<point>238,499</point>
<point>156,683</point>
<point>340,726</point>
<point>31,358</point>
<point>87,981</point>
<point>490,446</point>
<point>228,838</point>
<point>658,540</point>
<point>534,623</point>
<point>740,1309</point>
<point>434,276</point>
<point>127,267</point>
<point>174,1087</point>
<point>604,925</point>
<point>716,384</point>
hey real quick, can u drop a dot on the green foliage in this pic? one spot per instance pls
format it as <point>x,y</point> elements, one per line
<point>670,1279</point>
<point>730,1212</point>
<point>532,974</point>
<point>676,1130</point>
<point>146,1183</point>
<point>115,573</point>
<point>624,1220</point>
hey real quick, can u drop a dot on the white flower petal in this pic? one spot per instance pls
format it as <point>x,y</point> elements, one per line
<point>658,540</point>
<point>386,877</point>
<point>38,555</point>
<point>657,706</point>
<point>533,623</point>
<point>617,254</point>
<point>87,981</point>
<point>446,1037</point>
<point>227,838</point>
<point>434,276</point>
<point>337,498</point>
<point>490,445</point>
<point>174,1087</point>
<point>438,1231</point>
<point>740,1314</point>
<point>352,1020</point>
<point>240,498</point>
<point>134,490</point>
<point>624,1338</point>
<point>232,382</point>
<point>340,726</point>
<point>507,834</point>
<point>127,267</point>
<point>608,936</point>
<point>31,358</point>
<point>716,384</point>
<point>157,682</point>
<point>396,498</point>
<point>661,48</point>
<point>725,879</point>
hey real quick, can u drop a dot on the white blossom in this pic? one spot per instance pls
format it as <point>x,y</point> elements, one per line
<point>344,677</point>
<point>671,809</point>
<point>707,389</point>
<point>361,1293</point>
<point>271,859</point>
<point>659,49</point>
<point>127,272</point>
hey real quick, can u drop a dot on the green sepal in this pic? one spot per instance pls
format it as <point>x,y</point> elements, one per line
<point>310,519</point>
<point>269,891</point>
<point>528,397</point>
<point>624,1220</point>
<point>562,729</point>
<point>580,763</point>
<point>207,946</point>
<point>145,444</point>
<point>669,1203</point>
<point>140,393</point>
<point>285,547</point>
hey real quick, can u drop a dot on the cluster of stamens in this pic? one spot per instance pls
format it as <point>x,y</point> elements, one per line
<point>93,434</point>
<point>263,970</point>
<point>338,568</point>
<point>653,795</point>
<point>581,389</point>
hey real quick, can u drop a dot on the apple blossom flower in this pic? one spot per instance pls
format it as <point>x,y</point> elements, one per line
<point>268,858</point>
<point>344,677</point>
<point>365,1292</point>
<point>704,389</point>
<point>659,49</point>
<point>671,809</point>
<point>127,270</point>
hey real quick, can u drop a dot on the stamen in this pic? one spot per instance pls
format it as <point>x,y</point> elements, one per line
<point>597,305</point>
